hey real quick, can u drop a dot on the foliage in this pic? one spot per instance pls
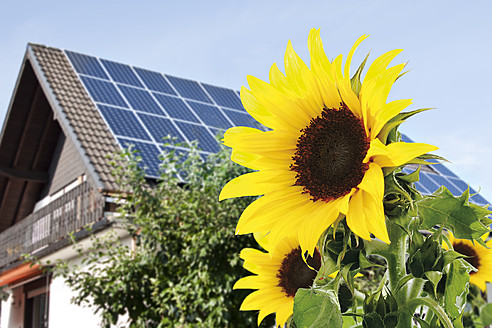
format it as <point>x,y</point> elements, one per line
<point>181,272</point>
<point>417,272</point>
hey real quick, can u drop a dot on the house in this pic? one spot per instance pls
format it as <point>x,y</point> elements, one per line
<point>68,112</point>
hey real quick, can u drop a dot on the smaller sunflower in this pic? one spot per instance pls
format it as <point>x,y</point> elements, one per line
<point>478,256</point>
<point>278,275</point>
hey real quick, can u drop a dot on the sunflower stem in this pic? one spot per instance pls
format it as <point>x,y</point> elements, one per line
<point>396,259</point>
<point>406,312</point>
<point>416,287</point>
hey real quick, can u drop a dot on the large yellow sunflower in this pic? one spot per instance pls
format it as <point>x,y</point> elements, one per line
<point>322,157</point>
<point>478,256</point>
<point>278,275</point>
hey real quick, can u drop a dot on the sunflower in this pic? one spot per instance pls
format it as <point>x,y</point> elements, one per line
<point>321,159</point>
<point>478,256</point>
<point>279,273</point>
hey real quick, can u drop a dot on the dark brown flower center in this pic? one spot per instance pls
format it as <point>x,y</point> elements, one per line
<point>329,154</point>
<point>294,273</point>
<point>468,250</point>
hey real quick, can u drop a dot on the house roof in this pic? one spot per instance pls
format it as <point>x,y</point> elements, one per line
<point>76,112</point>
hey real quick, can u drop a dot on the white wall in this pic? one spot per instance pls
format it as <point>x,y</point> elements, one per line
<point>13,310</point>
<point>62,313</point>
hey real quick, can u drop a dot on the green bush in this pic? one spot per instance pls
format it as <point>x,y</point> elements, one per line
<point>186,260</point>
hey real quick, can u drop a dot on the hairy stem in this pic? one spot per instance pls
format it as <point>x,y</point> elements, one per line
<point>396,259</point>
<point>406,313</point>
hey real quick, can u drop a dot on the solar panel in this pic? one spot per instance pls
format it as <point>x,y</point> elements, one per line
<point>141,100</point>
<point>176,108</point>
<point>155,81</point>
<point>189,89</point>
<point>123,122</point>
<point>87,65</point>
<point>223,97</point>
<point>121,73</point>
<point>141,107</point>
<point>210,115</point>
<point>103,92</point>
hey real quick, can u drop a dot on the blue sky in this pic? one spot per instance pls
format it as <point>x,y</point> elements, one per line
<point>447,45</point>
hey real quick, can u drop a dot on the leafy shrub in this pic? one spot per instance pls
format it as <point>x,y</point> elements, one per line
<point>185,262</point>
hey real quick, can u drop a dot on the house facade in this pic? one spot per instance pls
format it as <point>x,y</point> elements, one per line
<point>68,113</point>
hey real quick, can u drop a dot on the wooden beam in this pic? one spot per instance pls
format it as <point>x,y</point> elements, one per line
<point>39,177</point>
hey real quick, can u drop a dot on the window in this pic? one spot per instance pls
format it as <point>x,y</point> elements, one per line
<point>37,303</point>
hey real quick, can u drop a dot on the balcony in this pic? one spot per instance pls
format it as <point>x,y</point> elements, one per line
<point>51,224</point>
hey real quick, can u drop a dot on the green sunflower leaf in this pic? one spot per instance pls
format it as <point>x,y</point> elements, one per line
<point>434,277</point>
<point>355,80</point>
<point>405,115</point>
<point>486,314</point>
<point>315,308</point>
<point>456,289</point>
<point>456,213</point>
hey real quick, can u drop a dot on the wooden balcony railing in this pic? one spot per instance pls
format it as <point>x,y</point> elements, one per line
<point>72,211</point>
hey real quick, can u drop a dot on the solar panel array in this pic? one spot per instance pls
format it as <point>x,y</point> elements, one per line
<point>141,107</point>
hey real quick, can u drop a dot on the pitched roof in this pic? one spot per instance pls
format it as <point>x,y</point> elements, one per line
<point>76,112</point>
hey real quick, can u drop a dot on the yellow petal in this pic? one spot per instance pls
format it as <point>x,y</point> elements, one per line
<point>389,111</point>
<point>253,140</point>
<point>263,212</point>
<point>380,64</point>
<point>254,282</point>
<point>397,153</point>
<point>323,70</point>
<point>278,80</point>
<point>356,217</point>
<point>261,162</point>
<point>256,183</point>
<point>285,311</point>
<point>260,113</point>
<point>321,218</point>
<point>256,300</point>
<point>302,83</point>
<point>374,213</point>
<point>345,89</point>
<point>373,181</point>
<point>278,103</point>
<point>351,54</point>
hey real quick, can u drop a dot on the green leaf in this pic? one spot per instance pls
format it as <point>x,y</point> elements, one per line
<point>365,263</point>
<point>457,284</point>
<point>405,115</point>
<point>411,177</point>
<point>486,314</point>
<point>316,309</point>
<point>372,320</point>
<point>450,255</point>
<point>434,277</point>
<point>456,213</point>
<point>403,281</point>
<point>355,80</point>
